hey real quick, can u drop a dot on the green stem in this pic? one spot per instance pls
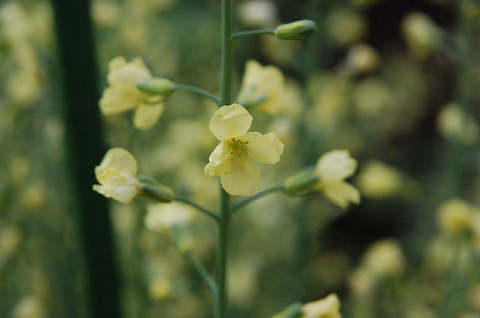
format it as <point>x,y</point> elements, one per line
<point>255,196</point>
<point>224,202</point>
<point>199,91</point>
<point>203,273</point>
<point>252,32</point>
<point>198,207</point>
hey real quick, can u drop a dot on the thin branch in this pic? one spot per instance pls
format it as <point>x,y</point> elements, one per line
<point>203,273</point>
<point>256,196</point>
<point>199,91</point>
<point>198,207</point>
<point>252,32</point>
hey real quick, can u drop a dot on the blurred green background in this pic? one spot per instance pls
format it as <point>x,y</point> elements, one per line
<point>394,82</point>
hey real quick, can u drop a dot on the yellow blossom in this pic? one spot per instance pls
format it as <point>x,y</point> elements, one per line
<point>455,216</point>
<point>162,217</point>
<point>332,168</point>
<point>263,87</point>
<point>328,307</point>
<point>123,94</point>
<point>116,175</point>
<point>384,258</point>
<point>379,180</point>
<point>234,159</point>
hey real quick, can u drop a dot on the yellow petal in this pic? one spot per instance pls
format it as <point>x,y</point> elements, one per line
<point>128,74</point>
<point>147,115</point>
<point>117,159</point>
<point>230,121</point>
<point>267,81</point>
<point>119,98</point>
<point>264,148</point>
<point>243,179</point>
<point>336,165</point>
<point>341,193</point>
<point>328,307</point>
<point>116,64</point>
<point>124,192</point>
<point>219,161</point>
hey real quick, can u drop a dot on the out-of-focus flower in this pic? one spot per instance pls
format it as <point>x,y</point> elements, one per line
<point>123,94</point>
<point>163,217</point>
<point>421,33</point>
<point>116,175</point>
<point>105,14</point>
<point>243,276</point>
<point>159,289</point>
<point>34,196</point>
<point>234,159</point>
<point>10,239</point>
<point>455,217</point>
<point>258,13</point>
<point>378,180</point>
<point>19,169</point>
<point>29,307</point>
<point>330,93</point>
<point>470,9</point>
<point>346,26</point>
<point>262,87</point>
<point>384,258</point>
<point>455,125</point>
<point>333,168</point>
<point>362,58</point>
<point>362,282</point>
<point>371,98</point>
<point>172,219</point>
<point>328,307</point>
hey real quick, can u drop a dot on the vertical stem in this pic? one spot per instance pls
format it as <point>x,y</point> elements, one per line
<point>80,92</point>
<point>224,202</point>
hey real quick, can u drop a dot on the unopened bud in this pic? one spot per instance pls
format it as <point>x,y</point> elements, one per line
<point>157,86</point>
<point>158,192</point>
<point>298,30</point>
<point>292,311</point>
<point>301,182</point>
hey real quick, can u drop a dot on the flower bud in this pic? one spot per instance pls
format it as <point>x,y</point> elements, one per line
<point>301,182</point>
<point>292,311</point>
<point>158,192</point>
<point>298,30</point>
<point>157,86</point>
<point>421,33</point>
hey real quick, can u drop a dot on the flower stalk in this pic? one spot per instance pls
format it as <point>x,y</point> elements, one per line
<point>224,202</point>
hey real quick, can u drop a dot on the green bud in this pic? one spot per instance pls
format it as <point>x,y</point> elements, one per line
<point>158,192</point>
<point>157,86</point>
<point>298,30</point>
<point>301,182</point>
<point>292,311</point>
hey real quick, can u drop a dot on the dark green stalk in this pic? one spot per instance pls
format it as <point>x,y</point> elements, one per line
<point>85,149</point>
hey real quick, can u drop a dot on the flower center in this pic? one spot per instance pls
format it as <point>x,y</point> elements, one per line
<point>237,147</point>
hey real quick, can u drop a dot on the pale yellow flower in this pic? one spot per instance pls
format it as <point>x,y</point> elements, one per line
<point>263,87</point>
<point>332,168</point>
<point>234,159</point>
<point>162,217</point>
<point>328,307</point>
<point>123,94</point>
<point>455,216</point>
<point>385,258</point>
<point>116,175</point>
